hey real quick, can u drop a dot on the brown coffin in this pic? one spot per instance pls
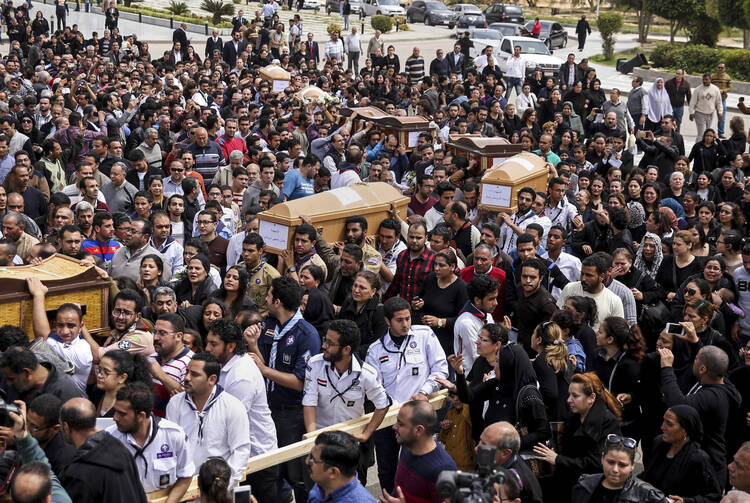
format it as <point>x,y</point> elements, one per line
<point>276,76</point>
<point>407,129</point>
<point>328,210</point>
<point>500,185</point>
<point>487,151</point>
<point>66,280</point>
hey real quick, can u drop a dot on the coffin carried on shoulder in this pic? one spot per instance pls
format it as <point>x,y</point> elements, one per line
<point>66,280</point>
<point>328,211</point>
<point>276,76</point>
<point>407,129</point>
<point>501,183</point>
<point>487,151</point>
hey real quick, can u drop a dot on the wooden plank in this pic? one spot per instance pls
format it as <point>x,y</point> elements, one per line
<point>301,448</point>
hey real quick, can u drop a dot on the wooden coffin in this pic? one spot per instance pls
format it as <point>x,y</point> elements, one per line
<point>66,280</point>
<point>328,210</point>
<point>277,76</point>
<point>500,185</point>
<point>407,129</point>
<point>487,151</point>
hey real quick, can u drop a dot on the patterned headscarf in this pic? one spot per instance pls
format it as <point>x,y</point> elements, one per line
<point>640,263</point>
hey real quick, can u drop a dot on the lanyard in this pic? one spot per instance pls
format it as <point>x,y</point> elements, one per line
<point>139,450</point>
<point>340,394</point>
<point>278,335</point>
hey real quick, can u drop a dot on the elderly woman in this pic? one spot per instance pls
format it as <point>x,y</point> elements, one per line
<point>571,120</point>
<point>678,466</point>
<point>676,189</point>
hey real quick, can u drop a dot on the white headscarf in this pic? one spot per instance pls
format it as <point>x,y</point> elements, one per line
<point>658,102</point>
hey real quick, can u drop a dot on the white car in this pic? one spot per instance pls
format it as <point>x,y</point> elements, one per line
<point>311,4</point>
<point>534,51</point>
<point>384,7</point>
<point>482,37</point>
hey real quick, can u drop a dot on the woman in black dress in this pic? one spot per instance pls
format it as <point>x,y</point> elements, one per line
<point>441,297</point>
<point>678,466</point>
<point>363,307</point>
<point>553,369</point>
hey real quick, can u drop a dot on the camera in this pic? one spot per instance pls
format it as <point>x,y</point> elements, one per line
<point>463,487</point>
<point>5,408</point>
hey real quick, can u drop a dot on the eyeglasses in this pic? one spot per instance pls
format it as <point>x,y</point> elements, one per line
<point>163,333</point>
<point>328,343</point>
<point>614,439</point>
<point>175,170</point>
<point>122,313</point>
<point>205,222</point>
<point>103,372</point>
<point>36,429</point>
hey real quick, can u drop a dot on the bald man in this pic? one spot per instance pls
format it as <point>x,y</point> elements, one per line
<point>13,229</point>
<point>504,437</point>
<point>103,469</point>
<point>16,203</point>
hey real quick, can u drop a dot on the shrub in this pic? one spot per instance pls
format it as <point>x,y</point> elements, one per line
<point>217,9</point>
<point>178,8</point>
<point>333,27</point>
<point>401,22</point>
<point>382,23</point>
<point>609,23</point>
<point>699,59</point>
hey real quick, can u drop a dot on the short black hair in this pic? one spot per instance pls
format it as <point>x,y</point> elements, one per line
<point>394,305</point>
<point>348,333</point>
<point>288,291</point>
<point>254,239</point>
<point>47,406</point>
<point>17,359</point>
<point>211,365</point>
<point>356,219</point>
<point>535,263</point>
<point>481,286</point>
<point>596,262</point>
<point>390,223</point>
<point>139,395</point>
<point>130,295</point>
<point>525,238</point>
<point>11,335</point>
<point>353,250</point>
<point>229,331</point>
<point>306,230</point>
<point>174,319</point>
<point>339,449</point>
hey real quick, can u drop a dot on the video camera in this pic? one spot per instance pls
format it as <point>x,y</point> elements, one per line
<point>463,487</point>
<point>5,409</point>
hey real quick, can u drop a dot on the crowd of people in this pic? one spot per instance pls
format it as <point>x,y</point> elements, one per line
<point>603,317</point>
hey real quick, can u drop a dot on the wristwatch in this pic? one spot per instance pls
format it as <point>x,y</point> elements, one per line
<point>440,323</point>
<point>292,269</point>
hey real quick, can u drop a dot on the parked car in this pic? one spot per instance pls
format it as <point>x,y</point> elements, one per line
<point>466,8</point>
<point>333,6</point>
<point>504,13</point>
<point>384,7</point>
<point>510,29</point>
<point>431,13</point>
<point>535,53</point>
<point>468,21</point>
<point>481,38</point>
<point>553,34</point>
<point>311,4</point>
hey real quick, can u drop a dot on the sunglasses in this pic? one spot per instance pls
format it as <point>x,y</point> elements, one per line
<point>691,291</point>
<point>614,439</point>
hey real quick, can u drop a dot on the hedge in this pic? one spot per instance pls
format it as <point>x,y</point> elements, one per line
<point>699,59</point>
<point>382,23</point>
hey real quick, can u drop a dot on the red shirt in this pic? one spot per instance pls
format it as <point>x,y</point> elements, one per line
<point>421,208</point>
<point>410,274</point>
<point>468,272</point>
<point>536,29</point>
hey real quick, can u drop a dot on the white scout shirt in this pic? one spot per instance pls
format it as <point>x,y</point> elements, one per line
<point>466,334</point>
<point>339,398</point>
<point>77,351</point>
<point>241,377</point>
<point>220,429</point>
<point>164,458</point>
<point>411,368</point>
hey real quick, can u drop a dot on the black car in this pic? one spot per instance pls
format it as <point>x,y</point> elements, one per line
<point>553,34</point>
<point>431,13</point>
<point>504,13</point>
<point>471,21</point>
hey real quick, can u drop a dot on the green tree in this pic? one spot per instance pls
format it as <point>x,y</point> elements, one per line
<point>217,9</point>
<point>677,12</point>
<point>609,23</point>
<point>178,8</point>
<point>729,15</point>
<point>642,12</point>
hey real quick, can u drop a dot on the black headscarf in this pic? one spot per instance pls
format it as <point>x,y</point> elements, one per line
<point>515,368</point>
<point>689,420</point>
<point>319,311</point>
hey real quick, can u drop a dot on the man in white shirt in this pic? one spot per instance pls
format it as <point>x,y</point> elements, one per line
<point>337,383</point>
<point>241,378</point>
<point>348,172</point>
<point>66,339</point>
<point>215,421</point>
<point>593,274</point>
<point>570,265</point>
<point>481,61</point>
<point>515,72</point>
<point>409,359</point>
<point>516,225</point>
<point>159,447</point>
<point>353,46</point>
<point>474,315</point>
<point>525,100</point>
<point>390,247</point>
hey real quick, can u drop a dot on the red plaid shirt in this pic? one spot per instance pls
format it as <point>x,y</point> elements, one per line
<point>410,274</point>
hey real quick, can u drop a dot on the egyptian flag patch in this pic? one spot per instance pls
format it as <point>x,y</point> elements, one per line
<point>322,382</point>
<point>383,358</point>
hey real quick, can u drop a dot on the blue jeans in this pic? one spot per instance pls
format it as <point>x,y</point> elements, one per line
<point>513,83</point>
<point>678,112</point>
<point>723,117</point>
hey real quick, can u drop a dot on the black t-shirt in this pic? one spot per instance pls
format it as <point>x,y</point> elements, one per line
<point>604,495</point>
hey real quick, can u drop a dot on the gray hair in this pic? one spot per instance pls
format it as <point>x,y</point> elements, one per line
<point>150,131</point>
<point>736,496</point>
<point>483,246</point>
<point>715,360</point>
<point>236,154</point>
<point>16,216</point>
<point>120,165</point>
<point>165,290</point>
<point>511,440</point>
<point>83,206</point>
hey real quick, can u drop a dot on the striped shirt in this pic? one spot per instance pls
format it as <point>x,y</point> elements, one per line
<point>414,67</point>
<point>176,368</point>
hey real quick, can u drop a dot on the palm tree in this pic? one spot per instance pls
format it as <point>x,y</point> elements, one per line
<point>217,8</point>
<point>178,8</point>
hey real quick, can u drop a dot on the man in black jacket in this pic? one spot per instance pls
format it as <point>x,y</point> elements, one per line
<point>456,60</point>
<point>213,43</point>
<point>505,439</point>
<point>103,469</point>
<point>714,398</point>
